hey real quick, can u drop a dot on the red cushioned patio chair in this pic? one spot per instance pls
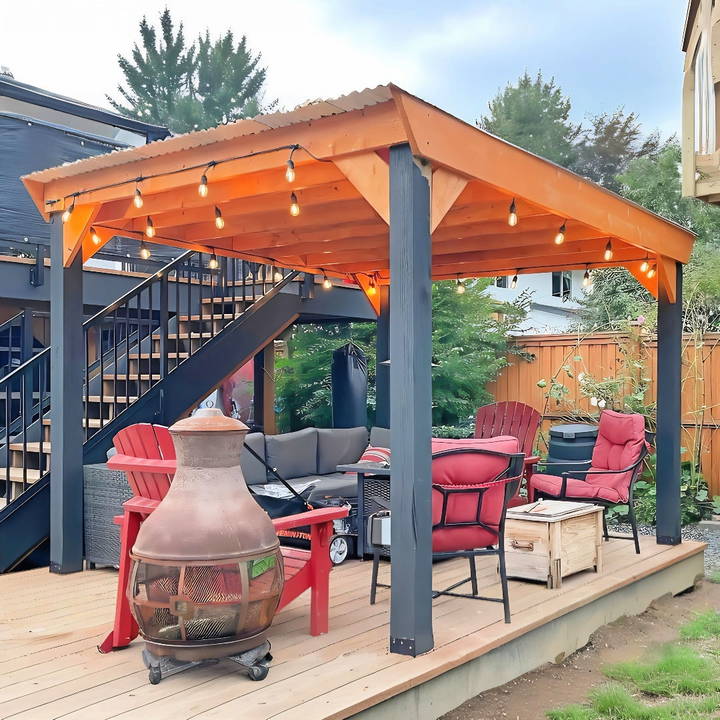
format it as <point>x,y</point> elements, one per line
<point>517,420</point>
<point>147,455</point>
<point>472,483</point>
<point>616,463</point>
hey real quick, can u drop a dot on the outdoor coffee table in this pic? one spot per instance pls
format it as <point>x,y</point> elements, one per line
<point>552,539</point>
<point>366,505</point>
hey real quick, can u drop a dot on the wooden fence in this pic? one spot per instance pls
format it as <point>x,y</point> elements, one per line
<point>564,358</point>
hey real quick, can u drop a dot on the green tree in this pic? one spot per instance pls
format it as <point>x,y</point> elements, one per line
<point>613,140</point>
<point>535,115</point>
<point>469,335</point>
<point>187,87</point>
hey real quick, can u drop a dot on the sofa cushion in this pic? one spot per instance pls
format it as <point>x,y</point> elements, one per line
<point>339,446</point>
<point>253,470</point>
<point>380,437</point>
<point>293,454</point>
<point>337,485</point>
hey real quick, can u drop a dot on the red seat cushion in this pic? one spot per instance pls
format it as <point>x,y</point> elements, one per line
<point>551,484</point>
<point>468,470</point>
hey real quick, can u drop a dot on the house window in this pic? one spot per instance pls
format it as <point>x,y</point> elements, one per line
<point>562,284</point>
<point>501,281</point>
<point>704,101</point>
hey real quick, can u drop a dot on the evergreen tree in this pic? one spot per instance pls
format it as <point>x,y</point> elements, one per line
<point>610,144</point>
<point>190,87</point>
<point>535,115</point>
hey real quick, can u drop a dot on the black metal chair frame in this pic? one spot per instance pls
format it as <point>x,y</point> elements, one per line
<point>511,477</point>
<point>606,504</point>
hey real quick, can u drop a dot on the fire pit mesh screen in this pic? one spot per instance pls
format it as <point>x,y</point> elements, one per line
<point>201,603</point>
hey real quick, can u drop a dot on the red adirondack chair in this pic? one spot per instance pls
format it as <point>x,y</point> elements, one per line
<point>517,420</point>
<point>147,455</point>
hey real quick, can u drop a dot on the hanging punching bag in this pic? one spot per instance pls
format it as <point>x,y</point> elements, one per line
<point>349,387</point>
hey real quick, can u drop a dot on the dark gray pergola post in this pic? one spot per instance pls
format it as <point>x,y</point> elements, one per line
<point>66,431</point>
<point>382,354</point>
<point>410,405</point>
<point>669,381</point>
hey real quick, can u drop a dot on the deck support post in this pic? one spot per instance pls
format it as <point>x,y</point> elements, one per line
<point>264,388</point>
<point>66,431</point>
<point>411,630</point>
<point>669,387</point>
<point>382,354</point>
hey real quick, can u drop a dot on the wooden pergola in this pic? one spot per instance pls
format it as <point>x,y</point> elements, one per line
<point>381,188</point>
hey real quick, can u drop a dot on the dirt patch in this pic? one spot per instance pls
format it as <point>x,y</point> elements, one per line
<point>529,697</point>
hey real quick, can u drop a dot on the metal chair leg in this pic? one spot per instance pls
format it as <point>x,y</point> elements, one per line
<point>373,579</point>
<point>504,583</point>
<point>633,525</point>
<point>473,575</point>
<point>605,527</point>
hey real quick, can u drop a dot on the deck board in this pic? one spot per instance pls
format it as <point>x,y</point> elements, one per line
<point>50,625</point>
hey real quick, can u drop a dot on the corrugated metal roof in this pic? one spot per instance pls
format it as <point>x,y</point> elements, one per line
<point>313,110</point>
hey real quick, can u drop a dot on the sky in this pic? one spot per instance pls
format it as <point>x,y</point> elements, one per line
<point>456,54</point>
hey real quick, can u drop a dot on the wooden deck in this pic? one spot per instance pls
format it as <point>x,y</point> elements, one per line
<point>50,625</point>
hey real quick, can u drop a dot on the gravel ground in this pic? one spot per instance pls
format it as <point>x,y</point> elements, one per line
<point>711,536</point>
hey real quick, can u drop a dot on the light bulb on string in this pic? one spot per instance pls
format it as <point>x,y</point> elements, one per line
<point>372,287</point>
<point>651,272</point>
<point>608,255</point>
<point>586,277</point>
<point>514,282</point>
<point>644,266</point>
<point>144,251</point>
<point>512,214</point>
<point>290,166</point>
<point>213,263</point>
<point>294,205</point>
<point>149,227</point>
<point>219,219</point>
<point>68,211</point>
<point>203,186</point>
<point>326,283</point>
<point>94,236</point>
<point>459,286</point>
<point>138,201</point>
<point>560,236</point>
<point>277,275</point>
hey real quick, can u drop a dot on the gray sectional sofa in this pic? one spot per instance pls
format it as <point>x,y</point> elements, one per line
<point>309,457</point>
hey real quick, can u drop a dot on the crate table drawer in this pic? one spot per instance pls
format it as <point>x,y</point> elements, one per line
<point>527,549</point>
<point>549,549</point>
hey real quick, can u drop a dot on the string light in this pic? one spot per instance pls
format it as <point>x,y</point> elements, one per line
<point>644,266</point>
<point>560,237</point>
<point>372,287</point>
<point>94,236</point>
<point>144,251</point>
<point>294,205</point>
<point>326,283</point>
<point>203,186</point>
<point>512,214</point>
<point>586,277</point>
<point>290,166</point>
<point>459,286</point>
<point>68,211</point>
<point>513,282</point>
<point>138,201</point>
<point>213,263</point>
<point>219,219</point>
<point>277,276</point>
<point>149,227</point>
<point>651,272</point>
<point>608,251</point>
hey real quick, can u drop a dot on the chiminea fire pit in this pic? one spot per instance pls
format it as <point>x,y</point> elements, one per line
<point>207,570</point>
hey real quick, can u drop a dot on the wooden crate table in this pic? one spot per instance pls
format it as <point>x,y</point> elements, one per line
<point>552,539</point>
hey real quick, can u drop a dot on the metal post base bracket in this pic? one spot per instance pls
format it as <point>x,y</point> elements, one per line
<point>254,662</point>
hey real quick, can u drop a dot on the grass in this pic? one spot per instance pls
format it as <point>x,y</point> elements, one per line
<point>702,627</point>
<point>713,576</point>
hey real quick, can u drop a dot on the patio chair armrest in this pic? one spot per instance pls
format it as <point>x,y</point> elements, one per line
<point>312,517</point>
<point>148,465</point>
<point>614,472</point>
<point>532,459</point>
<point>574,463</point>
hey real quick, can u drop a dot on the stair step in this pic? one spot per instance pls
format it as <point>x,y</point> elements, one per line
<point>33,447</point>
<point>237,298</point>
<point>157,356</point>
<point>90,422</point>
<point>133,376</point>
<point>109,399</point>
<point>190,336</point>
<point>216,316</point>
<point>16,474</point>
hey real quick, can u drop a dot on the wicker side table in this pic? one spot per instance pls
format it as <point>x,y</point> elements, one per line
<point>105,492</point>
